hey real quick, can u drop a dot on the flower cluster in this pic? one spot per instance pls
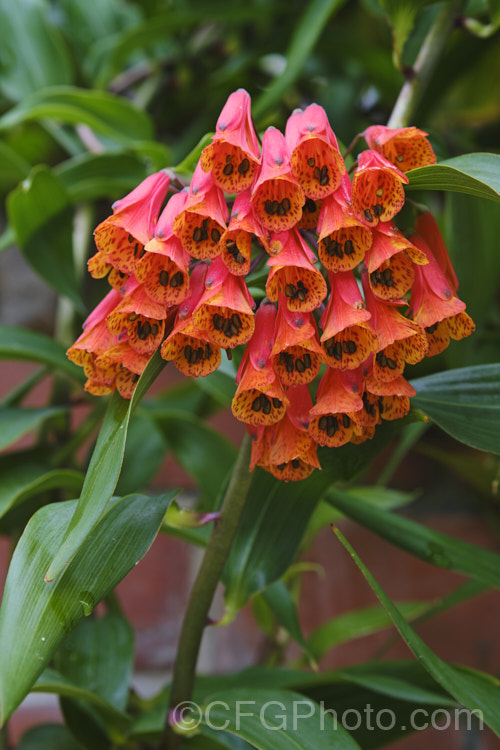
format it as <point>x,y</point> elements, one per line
<point>350,298</point>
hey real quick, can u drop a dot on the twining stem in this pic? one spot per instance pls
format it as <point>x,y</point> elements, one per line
<point>424,66</point>
<point>196,616</point>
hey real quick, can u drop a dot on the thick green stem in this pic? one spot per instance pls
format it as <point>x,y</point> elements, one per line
<point>424,66</point>
<point>209,574</point>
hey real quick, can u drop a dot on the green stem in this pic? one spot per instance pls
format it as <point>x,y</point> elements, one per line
<point>424,66</point>
<point>209,574</point>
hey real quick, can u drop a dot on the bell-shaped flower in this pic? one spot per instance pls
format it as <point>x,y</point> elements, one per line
<point>236,242</point>
<point>343,241</point>
<point>406,148</point>
<point>234,154</point>
<point>225,309</point>
<point>390,262</point>
<point>120,238</point>
<point>186,346</point>
<point>277,197</point>
<point>296,355</point>
<point>164,269</point>
<point>315,157</point>
<point>294,274</point>
<point>337,396</point>
<point>202,221</point>
<point>377,188</point>
<point>348,336</point>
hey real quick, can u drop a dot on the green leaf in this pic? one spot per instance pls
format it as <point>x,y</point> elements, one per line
<point>13,168</point>
<point>358,624</point>
<point>48,737</point>
<point>402,15</point>
<point>53,682</point>
<point>14,423</point>
<point>107,114</point>
<point>29,346</point>
<point>104,469</point>
<point>307,32</point>
<point>35,616</point>
<point>476,691</point>
<point>33,53</point>
<point>265,719</point>
<point>475,174</point>
<point>98,656</point>
<point>280,602</point>
<point>203,452</point>
<point>40,215</point>
<point>22,479</point>
<point>91,176</point>
<point>145,451</point>
<point>465,403</point>
<point>431,546</point>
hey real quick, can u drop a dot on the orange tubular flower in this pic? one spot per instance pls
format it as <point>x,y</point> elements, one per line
<point>315,157</point>
<point>434,304</point>
<point>277,197</point>
<point>294,275</point>
<point>138,319</point>
<point>390,262</point>
<point>95,340</point>
<point>286,449</point>
<point>310,214</point>
<point>342,240</point>
<point>399,340</point>
<point>236,241</point>
<point>202,222</point>
<point>234,154</point>
<point>406,148</point>
<point>393,397</point>
<point>164,269</point>
<point>336,398</point>
<point>296,355</point>
<point>131,366</point>
<point>377,188</point>
<point>259,399</point>
<point>188,347</point>
<point>120,239</point>
<point>347,338</point>
<point>225,309</point>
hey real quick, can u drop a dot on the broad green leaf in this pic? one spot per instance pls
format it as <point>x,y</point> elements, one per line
<point>357,624</point>
<point>276,720</point>
<point>91,176</point>
<point>107,114</point>
<point>465,403</point>
<point>431,546</point>
<point>307,32</point>
<point>48,737</point>
<point>23,345</point>
<point>40,214</point>
<point>145,451</point>
<point>476,691</point>
<point>23,478</point>
<point>98,656</point>
<point>33,53</point>
<point>475,174</point>
<point>14,423</point>
<point>35,616</point>
<point>51,681</point>
<point>203,452</point>
<point>474,223</point>
<point>104,469</point>
<point>86,725</point>
<point>13,167</point>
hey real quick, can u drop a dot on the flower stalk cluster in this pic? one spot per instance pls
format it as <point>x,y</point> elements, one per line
<point>351,299</point>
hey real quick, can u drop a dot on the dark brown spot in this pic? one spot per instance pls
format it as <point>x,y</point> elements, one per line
<point>311,162</point>
<point>256,404</point>
<point>228,169</point>
<point>337,350</point>
<point>164,278</point>
<point>378,209</point>
<point>277,403</point>
<point>368,214</point>
<point>177,279</point>
<point>299,366</point>
<point>346,421</point>
<point>198,234</point>
<point>295,463</point>
<point>307,360</point>
<point>215,235</point>
<point>244,166</point>
<point>348,247</point>
<point>130,238</point>
<point>290,291</point>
